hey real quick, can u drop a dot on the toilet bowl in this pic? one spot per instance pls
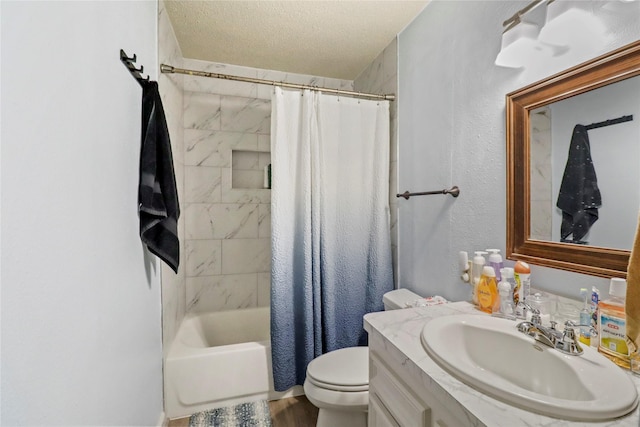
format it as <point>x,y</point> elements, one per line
<point>337,382</point>
<point>338,385</point>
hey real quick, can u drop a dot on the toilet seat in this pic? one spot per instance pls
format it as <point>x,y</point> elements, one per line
<point>345,370</point>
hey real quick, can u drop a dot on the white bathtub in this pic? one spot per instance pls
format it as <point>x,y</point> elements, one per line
<point>220,359</point>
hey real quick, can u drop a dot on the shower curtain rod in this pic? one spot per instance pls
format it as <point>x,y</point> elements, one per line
<point>164,68</point>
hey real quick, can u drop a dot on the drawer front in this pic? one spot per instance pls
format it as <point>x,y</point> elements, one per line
<point>403,405</point>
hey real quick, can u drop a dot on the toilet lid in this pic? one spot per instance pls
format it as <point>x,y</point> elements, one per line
<point>346,369</point>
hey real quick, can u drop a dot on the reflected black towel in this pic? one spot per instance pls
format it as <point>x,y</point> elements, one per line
<point>157,194</point>
<point>579,197</point>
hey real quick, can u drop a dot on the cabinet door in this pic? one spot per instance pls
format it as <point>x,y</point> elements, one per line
<point>404,406</point>
<point>378,414</point>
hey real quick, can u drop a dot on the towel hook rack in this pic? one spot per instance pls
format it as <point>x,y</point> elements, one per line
<point>454,191</point>
<point>129,63</point>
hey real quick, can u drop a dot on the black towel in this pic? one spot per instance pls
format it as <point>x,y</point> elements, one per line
<point>579,197</point>
<point>157,194</point>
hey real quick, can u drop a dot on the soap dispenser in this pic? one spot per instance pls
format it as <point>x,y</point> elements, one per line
<point>507,310</point>
<point>495,261</point>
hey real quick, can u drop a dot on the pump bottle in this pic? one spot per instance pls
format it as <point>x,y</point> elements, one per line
<point>495,261</point>
<point>507,310</point>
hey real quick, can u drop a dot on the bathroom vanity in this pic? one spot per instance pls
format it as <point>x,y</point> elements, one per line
<point>408,388</point>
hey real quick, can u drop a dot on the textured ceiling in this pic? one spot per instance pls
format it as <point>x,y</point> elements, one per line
<point>336,39</point>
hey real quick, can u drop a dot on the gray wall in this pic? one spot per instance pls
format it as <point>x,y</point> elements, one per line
<point>452,131</point>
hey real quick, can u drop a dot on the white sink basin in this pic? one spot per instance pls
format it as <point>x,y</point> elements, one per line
<point>489,354</point>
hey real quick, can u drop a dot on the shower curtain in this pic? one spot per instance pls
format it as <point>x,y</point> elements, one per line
<point>331,250</point>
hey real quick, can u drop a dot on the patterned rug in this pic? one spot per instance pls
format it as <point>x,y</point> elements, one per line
<point>252,414</point>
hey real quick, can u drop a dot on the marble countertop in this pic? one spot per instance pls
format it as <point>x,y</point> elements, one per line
<point>399,332</point>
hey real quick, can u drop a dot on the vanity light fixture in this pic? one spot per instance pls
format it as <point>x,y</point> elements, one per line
<point>520,43</point>
<point>573,24</point>
<point>566,25</point>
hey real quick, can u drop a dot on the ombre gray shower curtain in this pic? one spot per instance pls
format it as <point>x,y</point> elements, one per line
<point>331,250</point>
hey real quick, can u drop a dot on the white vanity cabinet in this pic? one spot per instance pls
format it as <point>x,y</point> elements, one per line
<point>409,389</point>
<point>395,401</point>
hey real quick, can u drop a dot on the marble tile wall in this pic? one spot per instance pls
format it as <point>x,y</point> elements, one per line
<point>171,92</point>
<point>227,229</point>
<point>382,77</point>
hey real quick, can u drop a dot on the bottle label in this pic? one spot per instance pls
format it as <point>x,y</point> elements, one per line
<point>484,295</point>
<point>613,334</point>
<point>594,309</point>
<point>488,298</point>
<point>516,289</point>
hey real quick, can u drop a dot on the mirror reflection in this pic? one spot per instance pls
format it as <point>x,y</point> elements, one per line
<point>585,167</point>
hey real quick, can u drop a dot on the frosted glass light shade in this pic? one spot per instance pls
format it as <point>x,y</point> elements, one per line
<point>520,46</point>
<point>572,24</point>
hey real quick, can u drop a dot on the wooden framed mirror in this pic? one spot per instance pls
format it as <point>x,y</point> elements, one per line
<point>603,260</point>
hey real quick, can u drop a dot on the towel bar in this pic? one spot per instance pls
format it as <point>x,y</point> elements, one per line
<point>454,191</point>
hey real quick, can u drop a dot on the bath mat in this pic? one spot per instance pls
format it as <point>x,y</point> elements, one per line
<point>252,414</point>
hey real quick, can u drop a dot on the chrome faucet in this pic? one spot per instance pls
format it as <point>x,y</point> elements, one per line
<point>565,341</point>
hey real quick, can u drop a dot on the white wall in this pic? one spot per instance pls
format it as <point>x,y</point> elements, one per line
<point>452,132</point>
<point>81,315</point>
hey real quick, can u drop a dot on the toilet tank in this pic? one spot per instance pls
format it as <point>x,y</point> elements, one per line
<point>398,298</point>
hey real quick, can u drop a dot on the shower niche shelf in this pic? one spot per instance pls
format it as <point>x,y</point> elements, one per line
<point>250,169</point>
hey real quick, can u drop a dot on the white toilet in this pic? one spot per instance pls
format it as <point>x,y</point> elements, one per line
<point>337,382</point>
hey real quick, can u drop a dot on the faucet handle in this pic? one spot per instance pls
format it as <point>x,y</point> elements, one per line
<point>553,324</point>
<point>570,325</point>
<point>569,344</point>
<point>535,315</point>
